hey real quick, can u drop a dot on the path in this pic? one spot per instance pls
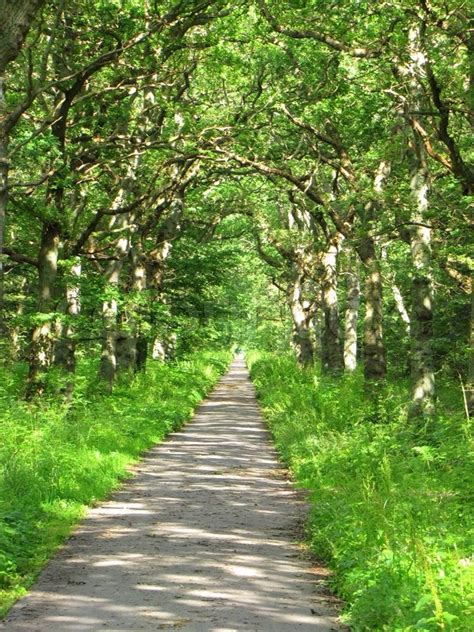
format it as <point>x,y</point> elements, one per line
<point>201,540</point>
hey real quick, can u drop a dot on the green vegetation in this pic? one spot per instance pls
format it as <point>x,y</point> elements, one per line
<point>178,176</point>
<point>391,505</point>
<point>56,460</point>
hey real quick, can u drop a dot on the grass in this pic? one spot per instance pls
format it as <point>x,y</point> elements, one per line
<point>392,509</point>
<point>57,460</point>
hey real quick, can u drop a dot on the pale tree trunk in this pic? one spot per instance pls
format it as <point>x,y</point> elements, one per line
<point>470,377</point>
<point>108,358</point>
<point>41,349</point>
<point>65,347</point>
<point>126,348</point>
<point>159,255</point>
<point>15,21</point>
<point>163,345</point>
<point>332,355</point>
<point>351,317</point>
<point>131,343</point>
<point>317,324</point>
<point>375,363</point>
<point>398,297</point>
<point>400,305</point>
<point>4,167</point>
<point>14,332</point>
<point>422,370</point>
<point>120,222</point>
<point>301,324</point>
<point>131,346</point>
<point>421,329</point>
<point>139,285</point>
<point>374,353</point>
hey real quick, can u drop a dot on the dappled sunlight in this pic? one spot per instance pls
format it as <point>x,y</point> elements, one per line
<point>202,538</point>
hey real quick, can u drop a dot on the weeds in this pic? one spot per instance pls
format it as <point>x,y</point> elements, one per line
<point>55,460</point>
<point>391,504</point>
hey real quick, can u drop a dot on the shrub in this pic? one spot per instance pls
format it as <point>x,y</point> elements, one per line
<point>57,460</point>
<point>391,505</point>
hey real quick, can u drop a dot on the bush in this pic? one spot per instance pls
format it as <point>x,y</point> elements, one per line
<point>391,504</point>
<point>57,460</point>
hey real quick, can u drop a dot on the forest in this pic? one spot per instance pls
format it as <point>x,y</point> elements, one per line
<point>183,178</point>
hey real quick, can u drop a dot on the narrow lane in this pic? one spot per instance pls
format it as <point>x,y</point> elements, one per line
<point>201,539</point>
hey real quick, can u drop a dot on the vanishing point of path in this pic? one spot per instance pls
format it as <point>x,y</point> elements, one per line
<point>202,538</point>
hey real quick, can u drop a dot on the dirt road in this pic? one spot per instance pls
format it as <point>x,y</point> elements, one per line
<point>200,539</point>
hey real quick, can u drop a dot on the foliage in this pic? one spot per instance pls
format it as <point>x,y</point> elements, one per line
<point>57,460</point>
<point>181,176</point>
<point>391,505</point>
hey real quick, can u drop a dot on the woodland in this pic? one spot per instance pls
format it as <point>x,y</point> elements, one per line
<point>181,178</point>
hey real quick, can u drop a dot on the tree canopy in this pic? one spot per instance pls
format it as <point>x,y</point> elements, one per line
<point>152,152</point>
<point>292,177</point>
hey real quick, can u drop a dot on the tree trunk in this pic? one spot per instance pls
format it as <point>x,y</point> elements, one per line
<point>16,20</point>
<point>317,325</point>
<point>4,167</point>
<point>131,343</point>
<point>422,370</point>
<point>470,377</point>
<point>142,352</point>
<point>65,347</point>
<point>374,353</point>
<point>41,349</point>
<point>163,346</point>
<point>397,294</point>
<point>332,356</point>
<point>400,305</point>
<point>301,325</point>
<point>108,358</point>
<point>351,318</point>
<point>126,348</point>
<point>139,285</point>
<point>375,363</point>
<point>14,349</point>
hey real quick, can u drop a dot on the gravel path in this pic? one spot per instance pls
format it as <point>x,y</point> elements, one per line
<point>200,539</point>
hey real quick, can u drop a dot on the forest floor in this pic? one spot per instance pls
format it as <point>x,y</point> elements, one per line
<point>203,537</point>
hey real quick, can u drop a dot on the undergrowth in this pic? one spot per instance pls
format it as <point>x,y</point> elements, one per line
<point>55,460</point>
<point>391,503</point>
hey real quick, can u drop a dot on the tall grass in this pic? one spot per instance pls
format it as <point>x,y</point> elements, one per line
<point>392,508</point>
<point>55,460</point>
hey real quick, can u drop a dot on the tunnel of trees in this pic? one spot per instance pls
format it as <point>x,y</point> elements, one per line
<point>287,177</point>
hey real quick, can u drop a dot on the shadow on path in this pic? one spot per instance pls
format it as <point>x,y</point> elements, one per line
<point>201,539</point>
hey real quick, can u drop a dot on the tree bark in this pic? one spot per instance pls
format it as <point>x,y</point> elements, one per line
<point>421,326</point>
<point>470,376</point>
<point>332,355</point>
<point>4,168</point>
<point>163,346</point>
<point>422,370</point>
<point>108,358</point>
<point>139,284</point>
<point>301,324</point>
<point>317,323</point>
<point>14,349</point>
<point>351,318</point>
<point>65,347</point>
<point>41,349</point>
<point>16,20</point>
<point>375,362</point>
<point>131,343</point>
<point>374,353</point>
<point>397,295</point>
